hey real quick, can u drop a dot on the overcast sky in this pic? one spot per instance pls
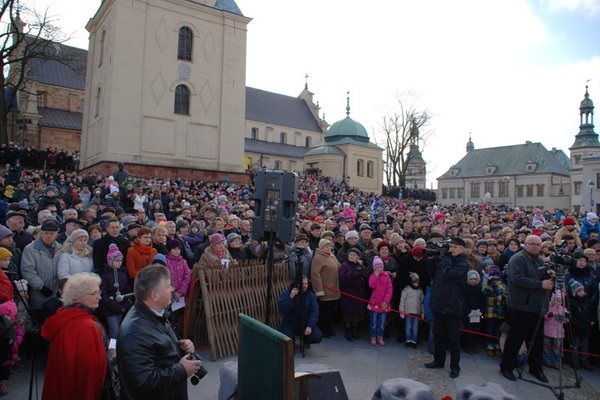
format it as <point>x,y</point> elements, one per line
<point>505,70</point>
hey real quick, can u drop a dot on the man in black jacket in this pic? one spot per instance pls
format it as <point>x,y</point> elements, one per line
<point>529,286</point>
<point>113,235</point>
<point>449,278</point>
<point>153,363</point>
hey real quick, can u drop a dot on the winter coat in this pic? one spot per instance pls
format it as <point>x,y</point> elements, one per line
<point>411,301</point>
<point>149,355</point>
<point>306,258</point>
<point>449,280</point>
<point>554,321</point>
<point>564,231</point>
<point>139,257</point>
<point>70,263</point>
<point>290,308</point>
<point>353,281</point>
<point>324,276</point>
<point>39,269</point>
<point>525,276</point>
<point>587,228</point>
<point>109,306</point>
<point>180,274</point>
<point>587,278</point>
<point>210,259</point>
<point>8,309</point>
<point>239,254</point>
<point>76,366</point>
<point>381,291</point>
<point>582,314</point>
<point>494,308</point>
<point>407,265</point>
<point>473,298</point>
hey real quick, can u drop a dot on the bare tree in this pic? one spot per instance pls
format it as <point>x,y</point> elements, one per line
<point>403,126</point>
<point>33,37</point>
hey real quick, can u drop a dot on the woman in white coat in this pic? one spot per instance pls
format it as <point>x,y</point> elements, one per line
<point>75,256</point>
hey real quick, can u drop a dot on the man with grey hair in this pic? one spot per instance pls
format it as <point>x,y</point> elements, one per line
<point>153,363</point>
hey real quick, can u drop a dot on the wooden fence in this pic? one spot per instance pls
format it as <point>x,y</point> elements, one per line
<point>218,295</point>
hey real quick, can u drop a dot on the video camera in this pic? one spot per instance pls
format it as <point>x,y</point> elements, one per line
<point>195,379</point>
<point>433,249</point>
<point>560,261</point>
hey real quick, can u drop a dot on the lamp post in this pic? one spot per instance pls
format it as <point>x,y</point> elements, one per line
<point>22,125</point>
<point>591,185</point>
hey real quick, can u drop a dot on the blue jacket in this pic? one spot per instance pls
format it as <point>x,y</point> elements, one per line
<point>587,228</point>
<point>290,308</point>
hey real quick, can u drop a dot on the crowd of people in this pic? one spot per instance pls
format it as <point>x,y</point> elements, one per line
<point>101,253</point>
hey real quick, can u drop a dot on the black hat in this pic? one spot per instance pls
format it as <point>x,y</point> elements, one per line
<point>11,214</point>
<point>436,235</point>
<point>133,226</point>
<point>50,226</point>
<point>355,250</point>
<point>365,226</point>
<point>458,241</point>
<point>75,221</point>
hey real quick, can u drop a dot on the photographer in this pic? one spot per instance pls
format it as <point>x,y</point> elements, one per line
<point>449,278</point>
<point>153,364</point>
<point>529,286</point>
<point>300,318</point>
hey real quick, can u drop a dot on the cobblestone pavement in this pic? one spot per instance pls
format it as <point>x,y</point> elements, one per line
<point>363,367</point>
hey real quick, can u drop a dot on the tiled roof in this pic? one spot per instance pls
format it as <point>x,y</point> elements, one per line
<point>510,160</point>
<point>228,5</point>
<point>276,149</point>
<point>349,140</point>
<point>55,118</point>
<point>69,73</point>
<point>275,108</point>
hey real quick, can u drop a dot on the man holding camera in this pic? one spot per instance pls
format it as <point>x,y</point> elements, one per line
<point>300,313</point>
<point>529,286</point>
<point>449,278</point>
<point>153,363</point>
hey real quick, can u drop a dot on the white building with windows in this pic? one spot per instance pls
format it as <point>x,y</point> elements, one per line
<point>529,175</point>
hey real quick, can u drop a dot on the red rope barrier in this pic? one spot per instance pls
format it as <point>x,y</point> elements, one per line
<point>462,329</point>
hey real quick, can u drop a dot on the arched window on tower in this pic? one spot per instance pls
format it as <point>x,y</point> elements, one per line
<point>182,100</point>
<point>307,141</point>
<point>282,138</point>
<point>101,47</point>
<point>184,48</point>
<point>98,101</point>
<point>369,169</point>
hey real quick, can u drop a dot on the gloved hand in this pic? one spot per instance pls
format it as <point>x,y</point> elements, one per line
<point>46,291</point>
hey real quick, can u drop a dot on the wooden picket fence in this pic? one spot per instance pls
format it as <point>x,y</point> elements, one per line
<point>217,296</point>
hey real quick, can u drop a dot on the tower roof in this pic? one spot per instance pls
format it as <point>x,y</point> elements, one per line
<point>586,136</point>
<point>347,127</point>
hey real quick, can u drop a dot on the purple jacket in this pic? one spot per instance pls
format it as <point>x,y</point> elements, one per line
<point>353,280</point>
<point>180,274</point>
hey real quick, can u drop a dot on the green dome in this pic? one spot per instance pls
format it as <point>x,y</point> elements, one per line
<point>347,127</point>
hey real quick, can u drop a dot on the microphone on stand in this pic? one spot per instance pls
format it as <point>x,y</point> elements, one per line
<point>120,297</point>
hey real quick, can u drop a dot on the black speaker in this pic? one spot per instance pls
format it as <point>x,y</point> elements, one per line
<point>275,202</point>
<point>329,387</point>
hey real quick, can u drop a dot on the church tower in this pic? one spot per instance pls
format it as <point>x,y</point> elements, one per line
<point>586,145</point>
<point>165,87</point>
<point>415,177</point>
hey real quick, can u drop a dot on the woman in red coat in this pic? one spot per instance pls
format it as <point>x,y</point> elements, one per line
<point>76,366</point>
<point>141,253</point>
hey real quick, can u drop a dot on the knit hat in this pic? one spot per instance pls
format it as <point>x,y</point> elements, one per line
<point>590,216</point>
<point>5,253</point>
<point>377,262</point>
<point>418,251</point>
<point>326,234</point>
<point>493,271</point>
<point>568,221</point>
<point>50,188</point>
<point>575,286</point>
<point>351,234</point>
<point>473,274</point>
<point>232,236</point>
<point>420,242</point>
<point>160,259</point>
<point>458,241</point>
<point>128,219</point>
<point>215,238</point>
<point>323,243</point>
<point>481,242</point>
<point>414,277</point>
<point>579,254</point>
<point>77,233</point>
<point>171,244</point>
<point>384,243</point>
<point>113,253</point>
<point>355,250</point>
<point>4,232</point>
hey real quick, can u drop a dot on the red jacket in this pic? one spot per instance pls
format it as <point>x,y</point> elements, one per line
<point>382,292</point>
<point>6,288</point>
<point>139,257</point>
<point>76,366</point>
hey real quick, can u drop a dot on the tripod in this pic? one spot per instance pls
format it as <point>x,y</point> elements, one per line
<point>298,283</point>
<point>557,390</point>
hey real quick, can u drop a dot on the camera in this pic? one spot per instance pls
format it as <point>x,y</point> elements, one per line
<point>195,379</point>
<point>435,249</point>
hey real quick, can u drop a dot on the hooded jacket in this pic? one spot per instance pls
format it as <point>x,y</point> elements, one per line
<point>76,366</point>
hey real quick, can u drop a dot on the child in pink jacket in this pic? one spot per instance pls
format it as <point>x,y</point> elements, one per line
<point>379,303</point>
